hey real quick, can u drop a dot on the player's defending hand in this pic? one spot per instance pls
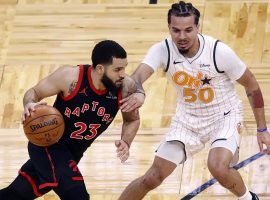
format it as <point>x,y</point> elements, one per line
<point>122,150</point>
<point>30,107</point>
<point>132,102</point>
<point>264,138</point>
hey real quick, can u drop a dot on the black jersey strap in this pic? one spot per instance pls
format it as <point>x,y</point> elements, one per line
<point>214,57</point>
<point>85,72</point>
<point>169,55</point>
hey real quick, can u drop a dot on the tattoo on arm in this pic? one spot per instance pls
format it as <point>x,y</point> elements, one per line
<point>131,87</point>
<point>256,98</point>
<point>72,87</point>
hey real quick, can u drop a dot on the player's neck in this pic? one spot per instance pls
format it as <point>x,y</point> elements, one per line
<point>96,79</point>
<point>193,50</point>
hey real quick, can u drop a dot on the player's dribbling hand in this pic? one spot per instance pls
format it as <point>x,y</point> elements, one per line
<point>122,150</point>
<point>132,102</point>
<point>264,138</point>
<point>30,107</point>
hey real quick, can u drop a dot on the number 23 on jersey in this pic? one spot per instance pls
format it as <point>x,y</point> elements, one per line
<point>91,130</point>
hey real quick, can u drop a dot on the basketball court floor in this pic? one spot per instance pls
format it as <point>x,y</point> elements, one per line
<point>106,176</point>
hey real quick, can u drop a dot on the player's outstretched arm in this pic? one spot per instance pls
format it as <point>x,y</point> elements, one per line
<point>135,100</point>
<point>59,81</point>
<point>255,98</point>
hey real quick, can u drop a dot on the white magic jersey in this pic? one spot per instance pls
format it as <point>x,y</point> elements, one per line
<point>204,89</point>
<point>204,83</point>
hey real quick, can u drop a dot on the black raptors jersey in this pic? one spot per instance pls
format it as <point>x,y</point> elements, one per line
<point>87,112</point>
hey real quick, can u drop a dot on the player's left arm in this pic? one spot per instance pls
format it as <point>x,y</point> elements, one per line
<point>256,101</point>
<point>236,70</point>
<point>131,123</point>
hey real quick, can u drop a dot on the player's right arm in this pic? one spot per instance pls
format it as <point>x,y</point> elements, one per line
<point>135,100</point>
<point>154,58</point>
<point>61,80</point>
<point>142,73</point>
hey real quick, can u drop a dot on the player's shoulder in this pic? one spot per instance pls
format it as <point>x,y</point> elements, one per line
<point>216,44</point>
<point>67,70</point>
<point>223,49</point>
<point>66,74</point>
<point>208,41</point>
<point>161,45</point>
<point>207,37</point>
<point>160,49</point>
<point>211,39</point>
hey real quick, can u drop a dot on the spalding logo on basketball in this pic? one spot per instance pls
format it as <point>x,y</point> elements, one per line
<point>45,126</point>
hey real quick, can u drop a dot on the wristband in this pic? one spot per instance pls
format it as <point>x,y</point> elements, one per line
<point>261,130</point>
<point>126,143</point>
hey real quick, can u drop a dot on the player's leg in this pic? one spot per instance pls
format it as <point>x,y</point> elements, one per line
<point>221,155</point>
<point>76,191</point>
<point>12,192</point>
<point>71,185</point>
<point>24,186</point>
<point>168,156</point>
<point>57,169</point>
<point>225,141</point>
<point>219,160</point>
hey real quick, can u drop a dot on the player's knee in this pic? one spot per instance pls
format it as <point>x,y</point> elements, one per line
<point>152,180</point>
<point>219,170</point>
<point>75,193</point>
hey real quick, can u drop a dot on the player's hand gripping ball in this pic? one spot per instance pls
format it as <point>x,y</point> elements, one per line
<point>45,126</point>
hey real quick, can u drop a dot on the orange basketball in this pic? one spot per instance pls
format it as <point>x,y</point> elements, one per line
<point>45,126</point>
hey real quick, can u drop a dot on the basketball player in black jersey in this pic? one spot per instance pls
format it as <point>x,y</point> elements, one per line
<point>88,98</point>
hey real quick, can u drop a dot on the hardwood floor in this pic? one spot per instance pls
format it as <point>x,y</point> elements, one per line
<point>106,177</point>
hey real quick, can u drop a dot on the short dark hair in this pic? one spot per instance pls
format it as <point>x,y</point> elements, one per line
<point>183,9</point>
<point>105,51</point>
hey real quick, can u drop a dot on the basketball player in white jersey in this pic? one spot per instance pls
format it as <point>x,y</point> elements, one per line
<point>202,69</point>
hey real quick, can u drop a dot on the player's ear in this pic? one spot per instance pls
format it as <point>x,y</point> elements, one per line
<point>100,69</point>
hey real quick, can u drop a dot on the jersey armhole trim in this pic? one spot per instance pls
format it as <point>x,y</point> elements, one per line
<point>169,55</point>
<point>214,58</point>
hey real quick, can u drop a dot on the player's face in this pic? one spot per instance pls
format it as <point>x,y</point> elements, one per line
<point>114,74</point>
<point>184,32</point>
